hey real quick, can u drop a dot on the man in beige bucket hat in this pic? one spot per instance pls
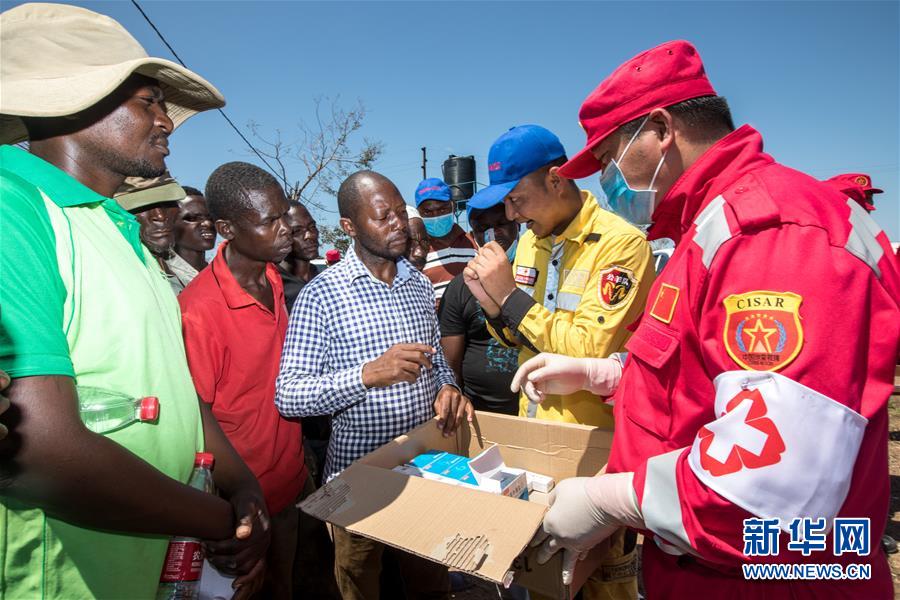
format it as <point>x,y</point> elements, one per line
<point>85,306</point>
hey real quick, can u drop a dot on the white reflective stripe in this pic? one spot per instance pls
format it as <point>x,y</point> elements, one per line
<point>667,547</point>
<point>661,504</point>
<point>568,301</point>
<point>861,242</point>
<point>711,229</point>
<point>778,448</point>
<point>551,287</point>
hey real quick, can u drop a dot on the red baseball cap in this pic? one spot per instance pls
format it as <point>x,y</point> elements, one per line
<point>332,256</point>
<point>853,180</point>
<point>662,76</point>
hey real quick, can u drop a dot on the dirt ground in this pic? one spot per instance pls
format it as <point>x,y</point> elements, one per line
<point>482,590</point>
<point>893,526</point>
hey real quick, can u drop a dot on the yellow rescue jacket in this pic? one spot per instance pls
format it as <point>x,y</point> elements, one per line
<point>577,293</point>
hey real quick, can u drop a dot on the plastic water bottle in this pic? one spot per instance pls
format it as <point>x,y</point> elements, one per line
<point>180,577</point>
<point>104,411</point>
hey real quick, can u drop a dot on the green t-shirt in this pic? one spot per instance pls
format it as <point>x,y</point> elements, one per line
<point>81,297</point>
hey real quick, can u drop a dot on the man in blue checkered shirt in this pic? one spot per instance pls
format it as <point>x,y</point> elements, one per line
<point>363,345</point>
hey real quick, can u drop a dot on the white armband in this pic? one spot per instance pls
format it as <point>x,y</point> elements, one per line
<point>778,449</point>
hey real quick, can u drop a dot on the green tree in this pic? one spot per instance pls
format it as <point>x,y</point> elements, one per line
<point>334,236</point>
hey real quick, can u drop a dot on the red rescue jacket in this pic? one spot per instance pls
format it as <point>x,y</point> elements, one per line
<point>773,272</point>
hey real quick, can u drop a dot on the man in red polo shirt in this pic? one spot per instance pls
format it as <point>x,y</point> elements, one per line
<point>235,321</point>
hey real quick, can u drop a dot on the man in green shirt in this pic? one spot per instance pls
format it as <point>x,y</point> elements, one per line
<point>85,304</point>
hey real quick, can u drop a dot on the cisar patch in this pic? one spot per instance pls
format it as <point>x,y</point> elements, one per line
<point>617,285</point>
<point>762,329</point>
<point>526,275</point>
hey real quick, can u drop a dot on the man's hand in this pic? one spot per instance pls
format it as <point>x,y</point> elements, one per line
<point>240,554</point>
<point>401,362</point>
<point>4,403</point>
<point>247,586</point>
<point>450,406</point>
<point>555,374</point>
<point>584,512</point>
<point>494,272</point>
<point>490,308</point>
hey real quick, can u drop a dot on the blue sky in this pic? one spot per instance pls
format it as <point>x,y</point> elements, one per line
<point>818,79</point>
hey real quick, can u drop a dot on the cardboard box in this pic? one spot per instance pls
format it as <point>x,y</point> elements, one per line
<point>467,529</point>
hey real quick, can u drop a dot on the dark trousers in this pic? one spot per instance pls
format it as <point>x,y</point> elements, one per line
<point>300,560</point>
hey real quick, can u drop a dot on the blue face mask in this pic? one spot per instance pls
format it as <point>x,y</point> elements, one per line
<point>511,251</point>
<point>438,227</point>
<point>635,206</point>
<point>490,236</point>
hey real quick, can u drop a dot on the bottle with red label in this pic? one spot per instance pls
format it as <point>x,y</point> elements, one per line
<point>180,578</point>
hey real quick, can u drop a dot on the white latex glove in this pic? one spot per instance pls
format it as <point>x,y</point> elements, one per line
<point>584,511</point>
<point>562,375</point>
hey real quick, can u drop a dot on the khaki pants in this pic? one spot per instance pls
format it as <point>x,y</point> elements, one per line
<point>357,568</point>
<point>616,579</point>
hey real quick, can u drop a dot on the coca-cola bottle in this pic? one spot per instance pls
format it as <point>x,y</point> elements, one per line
<point>180,578</point>
<point>104,411</point>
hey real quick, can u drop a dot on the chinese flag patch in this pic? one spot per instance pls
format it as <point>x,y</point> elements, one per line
<point>664,306</point>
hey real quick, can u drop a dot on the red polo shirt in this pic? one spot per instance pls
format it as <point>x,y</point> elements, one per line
<point>233,348</point>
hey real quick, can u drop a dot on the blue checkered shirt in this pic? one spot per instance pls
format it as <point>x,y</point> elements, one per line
<point>342,319</point>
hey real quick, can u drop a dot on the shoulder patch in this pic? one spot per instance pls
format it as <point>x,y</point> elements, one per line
<point>762,329</point>
<point>616,286</point>
<point>663,308</point>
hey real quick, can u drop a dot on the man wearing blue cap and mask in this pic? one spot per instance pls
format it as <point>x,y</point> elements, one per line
<point>581,275</point>
<point>451,247</point>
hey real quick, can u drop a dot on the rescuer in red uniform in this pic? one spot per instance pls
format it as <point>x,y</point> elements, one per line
<point>756,382</point>
<point>857,186</point>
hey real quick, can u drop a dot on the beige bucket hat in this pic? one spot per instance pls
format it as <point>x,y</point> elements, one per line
<point>57,60</point>
<point>139,192</point>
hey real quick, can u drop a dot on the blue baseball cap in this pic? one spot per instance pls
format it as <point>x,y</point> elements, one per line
<point>518,152</point>
<point>482,200</point>
<point>432,189</point>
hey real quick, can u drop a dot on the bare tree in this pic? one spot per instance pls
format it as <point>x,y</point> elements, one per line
<point>317,161</point>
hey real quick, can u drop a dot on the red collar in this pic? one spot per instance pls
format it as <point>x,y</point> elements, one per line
<point>720,166</point>
<point>236,296</point>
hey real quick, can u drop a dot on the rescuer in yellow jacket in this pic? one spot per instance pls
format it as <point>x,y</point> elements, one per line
<point>580,276</point>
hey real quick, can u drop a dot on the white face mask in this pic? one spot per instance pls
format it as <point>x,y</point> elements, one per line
<point>635,206</point>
